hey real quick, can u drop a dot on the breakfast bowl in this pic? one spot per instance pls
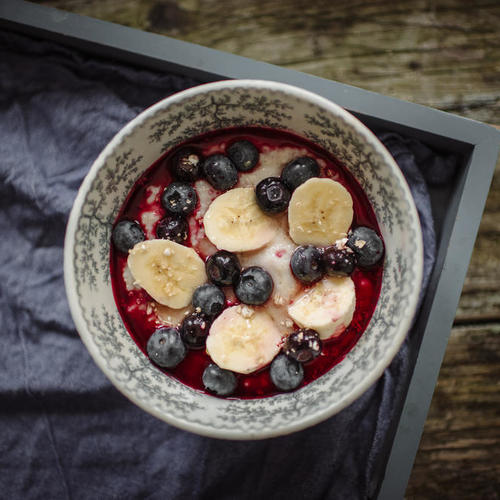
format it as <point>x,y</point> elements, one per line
<point>266,107</point>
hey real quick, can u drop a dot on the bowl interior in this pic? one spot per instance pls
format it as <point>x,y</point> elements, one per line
<point>134,149</point>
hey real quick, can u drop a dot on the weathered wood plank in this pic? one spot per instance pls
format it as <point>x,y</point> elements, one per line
<point>459,456</point>
<point>444,54</point>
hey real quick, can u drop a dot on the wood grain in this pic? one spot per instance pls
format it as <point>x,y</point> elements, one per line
<point>444,54</point>
<point>459,455</point>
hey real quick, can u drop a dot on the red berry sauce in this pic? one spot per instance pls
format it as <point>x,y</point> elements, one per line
<point>141,321</point>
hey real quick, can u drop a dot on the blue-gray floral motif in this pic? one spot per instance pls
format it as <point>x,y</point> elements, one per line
<point>161,128</point>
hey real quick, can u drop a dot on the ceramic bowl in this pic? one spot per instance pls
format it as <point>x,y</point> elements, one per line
<point>141,142</point>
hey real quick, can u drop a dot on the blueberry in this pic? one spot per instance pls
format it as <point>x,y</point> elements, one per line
<point>254,286</point>
<point>244,155</point>
<point>179,198</point>
<point>126,234</point>
<point>223,268</point>
<point>220,172</point>
<point>194,330</point>
<point>303,345</point>
<point>338,261</point>
<point>272,195</point>
<point>165,348</point>
<point>219,381</point>
<point>299,171</point>
<point>286,373</point>
<point>367,246</point>
<point>173,228</point>
<point>209,299</point>
<point>306,264</point>
<point>186,165</point>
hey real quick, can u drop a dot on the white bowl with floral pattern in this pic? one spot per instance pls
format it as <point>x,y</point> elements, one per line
<point>142,141</point>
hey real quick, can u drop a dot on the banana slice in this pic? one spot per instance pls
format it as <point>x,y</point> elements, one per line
<point>327,307</point>
<point>169,272</point>
<point>235,222</point>
<point>320,212</point>
<point>243,339</point>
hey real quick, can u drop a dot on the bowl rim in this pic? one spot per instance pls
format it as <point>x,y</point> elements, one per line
<point>70,282</point>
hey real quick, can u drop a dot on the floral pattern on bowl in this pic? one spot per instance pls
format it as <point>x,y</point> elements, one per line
<point>163,126</point>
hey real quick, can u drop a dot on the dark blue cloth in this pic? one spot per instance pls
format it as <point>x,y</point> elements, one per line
<point>65,431</point>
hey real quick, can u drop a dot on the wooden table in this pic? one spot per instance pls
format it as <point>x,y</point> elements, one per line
<point>444,54</point>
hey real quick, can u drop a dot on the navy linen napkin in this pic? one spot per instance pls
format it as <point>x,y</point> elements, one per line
<point>65,431</point>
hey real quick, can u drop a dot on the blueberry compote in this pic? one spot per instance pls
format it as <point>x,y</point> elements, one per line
<point>144,205</point>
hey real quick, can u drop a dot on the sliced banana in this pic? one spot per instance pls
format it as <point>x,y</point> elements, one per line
<point>169,272</point>
<point>327,307</point>
<point>320,212</point>
<point>235,222</point>
<point>243,339</point>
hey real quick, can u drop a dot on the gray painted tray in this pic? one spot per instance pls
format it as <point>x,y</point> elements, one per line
<point>457,209</point>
